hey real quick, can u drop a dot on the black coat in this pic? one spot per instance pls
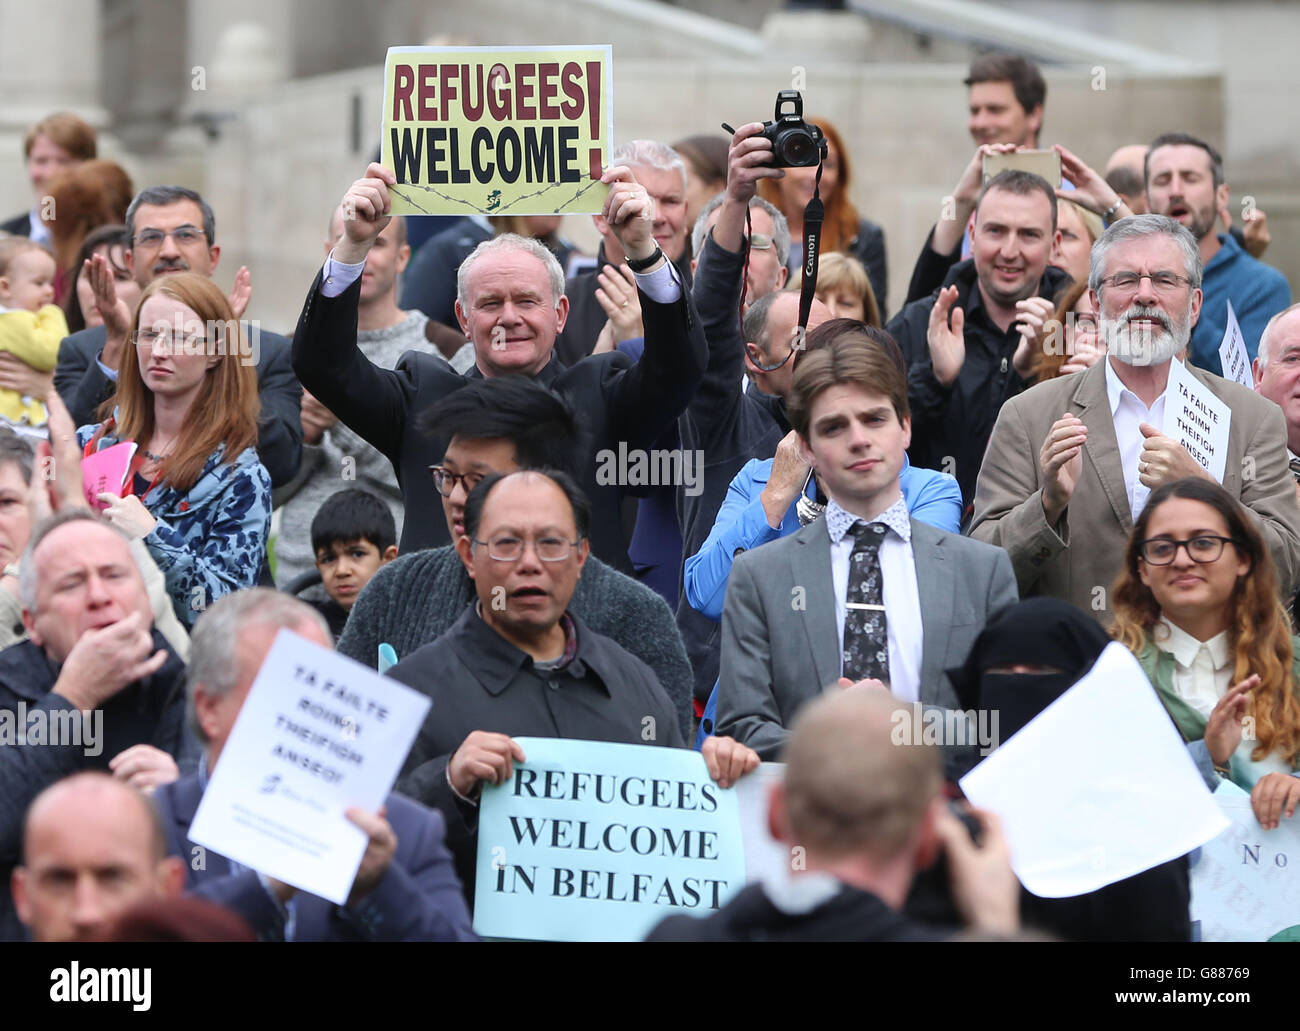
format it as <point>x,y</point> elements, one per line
<point>150,711</point>
<point>479,681</point>
<point>728,425</point>
<point>851,915</point>
<point>83,387</point>
<point>616,401</point>
<point>951,425</point>
<point>586,316</point>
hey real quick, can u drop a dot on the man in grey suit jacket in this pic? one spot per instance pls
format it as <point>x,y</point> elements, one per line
<point>1072,460</point>
<point>800,612</point>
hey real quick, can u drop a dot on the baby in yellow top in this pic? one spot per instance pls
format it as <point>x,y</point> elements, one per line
<point>31,326</point>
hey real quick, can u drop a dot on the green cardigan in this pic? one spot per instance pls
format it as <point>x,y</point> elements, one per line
<point>1159,668</point>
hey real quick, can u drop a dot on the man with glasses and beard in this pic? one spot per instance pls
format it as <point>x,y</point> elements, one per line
<point>1072,461</point>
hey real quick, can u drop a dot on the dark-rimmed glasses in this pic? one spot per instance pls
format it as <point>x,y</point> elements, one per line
<point>1161,551</point>
<point>444,480</point>
<point>511,549</point>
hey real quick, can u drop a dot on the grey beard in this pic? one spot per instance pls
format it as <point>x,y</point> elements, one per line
<point>1140,348</point>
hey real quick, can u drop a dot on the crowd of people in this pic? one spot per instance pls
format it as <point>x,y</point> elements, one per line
<point>955,505</point>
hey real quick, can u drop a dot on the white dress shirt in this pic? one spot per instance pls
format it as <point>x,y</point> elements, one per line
<point>1128,412</point>
<point>1202,669</point>
<point>898,590</point>
<point>660,285</point>
<point>1202,675</point>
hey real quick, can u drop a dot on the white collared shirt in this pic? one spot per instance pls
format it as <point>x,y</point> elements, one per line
<point>1202,669</point>
<point>1128,413</point>
<point>898,591</point>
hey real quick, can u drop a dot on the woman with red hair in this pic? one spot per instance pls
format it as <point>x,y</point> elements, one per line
<point>187,397</point>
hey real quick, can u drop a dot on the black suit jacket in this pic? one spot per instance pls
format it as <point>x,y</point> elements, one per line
<point>19,225</point>
<point>84,387</point>
<point>616,401</point>
<point>417,899</point>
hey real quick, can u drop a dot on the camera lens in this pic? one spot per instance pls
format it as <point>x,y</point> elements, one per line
<point>797,149</point>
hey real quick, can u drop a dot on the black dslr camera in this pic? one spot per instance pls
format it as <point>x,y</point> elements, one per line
<point>795,143</point>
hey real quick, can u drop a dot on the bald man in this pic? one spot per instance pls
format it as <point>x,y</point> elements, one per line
<point>1126,174</point>
<point>866,815</point>
<point>92,848</point>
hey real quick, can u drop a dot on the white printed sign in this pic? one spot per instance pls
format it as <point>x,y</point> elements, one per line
<point>1197,419</point>
<point>317,733</point>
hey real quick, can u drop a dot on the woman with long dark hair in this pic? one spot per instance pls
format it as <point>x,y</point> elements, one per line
<point>1198,603</point>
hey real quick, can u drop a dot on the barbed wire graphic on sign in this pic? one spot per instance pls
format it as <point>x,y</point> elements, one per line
<point>400,191</point>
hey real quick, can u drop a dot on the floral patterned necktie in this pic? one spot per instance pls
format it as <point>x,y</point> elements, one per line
<point>866,631</point>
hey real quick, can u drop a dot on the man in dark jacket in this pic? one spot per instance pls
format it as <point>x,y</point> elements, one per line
<point>94,687</point>
<point>961,372</point>
<point>172,229</point>
<point>862,816</point>
<point>518,663</point>
<point>511,307</point>
<point>726,424</point>
<point>502,425</point>
<point>404,888</point>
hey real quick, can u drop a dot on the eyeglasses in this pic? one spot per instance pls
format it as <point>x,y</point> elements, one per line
<point>163,342</point>
<point>149,239</point>
<point>1161,551</point>
<point>1165,282</point>
<point>760,242</point>
<point>754,351</point>
<point>444,480</point>
<point>511,549</point>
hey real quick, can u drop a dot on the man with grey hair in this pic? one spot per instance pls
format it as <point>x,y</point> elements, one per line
<point>511,306</point>
<point>1276,372</point>
<point>1072,461</point>
<point>95,686</point>
<point>405,888</point>
<point>592,293</point>
<point>866,815</point>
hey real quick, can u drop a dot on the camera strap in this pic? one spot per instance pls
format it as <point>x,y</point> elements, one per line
<point>813,216</point>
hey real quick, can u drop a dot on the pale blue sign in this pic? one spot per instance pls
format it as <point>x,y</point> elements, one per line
<point>591,841</point>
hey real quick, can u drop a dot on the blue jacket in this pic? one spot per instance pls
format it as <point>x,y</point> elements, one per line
<point>210,541</point>
<point>1257,291</point>
<point>418,898</point>
<point>932,497</point>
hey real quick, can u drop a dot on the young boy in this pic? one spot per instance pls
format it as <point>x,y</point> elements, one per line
<point>31,327</point>
<point>352,535</point>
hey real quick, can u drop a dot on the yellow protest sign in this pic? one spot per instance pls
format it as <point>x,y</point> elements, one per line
<point>497,130</point>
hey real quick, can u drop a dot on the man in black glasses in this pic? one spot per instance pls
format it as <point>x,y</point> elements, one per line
<point>519,663</point>
<point>172,229</point>
<point>1072,462</point>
